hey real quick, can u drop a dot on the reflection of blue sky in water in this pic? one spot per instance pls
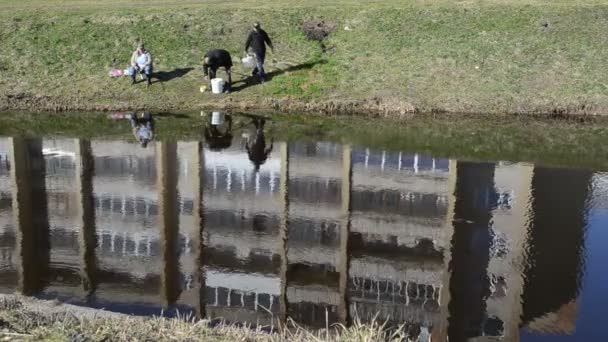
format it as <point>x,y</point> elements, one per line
<point>593,304</point>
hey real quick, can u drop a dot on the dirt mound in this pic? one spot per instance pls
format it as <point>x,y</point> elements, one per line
<point>318,30</point>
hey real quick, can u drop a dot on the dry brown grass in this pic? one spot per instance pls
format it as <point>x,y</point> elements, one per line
<point>20,323</point>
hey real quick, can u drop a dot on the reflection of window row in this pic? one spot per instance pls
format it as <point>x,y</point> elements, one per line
<point>361,244</point>
<point>386,201</point>
<point>399,161</point>
<point>7,238</point>
<point>238,220</point>
<point>6,255</point>
<point>60,166</point>
<point>222,179</point>
<point>326,233</point>
<point>63,239</point>
<point>304,274</point>
<point>55,183</point>
<point>395,292</point>
<point>498,286</point>
<point>125,244</point>
<point>315,190</point>
<point>499,243</point>
<point>421,205</point>
<point>488,198</point>
<point>5,167</point>
<point>313,314</point>
<point>136,205</point>
<point>396,202</point>
<point>226,297</point>
<point>318,149</point>
<point>6,200</point>
<point>141,167</point>
<point>59,238</point>
<point>257,261</point>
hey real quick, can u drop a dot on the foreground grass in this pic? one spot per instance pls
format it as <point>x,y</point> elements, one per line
<point>555,142</point>
<point>477,56</point>
<point>20,323</point>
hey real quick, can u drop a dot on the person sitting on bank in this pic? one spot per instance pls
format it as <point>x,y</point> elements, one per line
<point>257,41</point>
<point>141,63</point>
<point>143,128</point>
<point>214,60</point>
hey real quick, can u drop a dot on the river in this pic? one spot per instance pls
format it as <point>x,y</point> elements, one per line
<point>316,231</point>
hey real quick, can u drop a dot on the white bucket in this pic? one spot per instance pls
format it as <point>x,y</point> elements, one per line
<point>217,85</point>
<point>217,118</point>
<point>248,62</point>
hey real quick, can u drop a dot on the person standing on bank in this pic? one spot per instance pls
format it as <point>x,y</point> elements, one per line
<point>141,63</point>
<point>256,42</point>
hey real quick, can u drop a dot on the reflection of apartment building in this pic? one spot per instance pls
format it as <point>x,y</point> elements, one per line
<point>510,204</point>
<point>323,230</point>
<point>242,238</point>
<point>399,236</point>
<point>505,276</point>
<point>7,232</point>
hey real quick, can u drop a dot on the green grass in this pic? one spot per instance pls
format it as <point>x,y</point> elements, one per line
<point>557,142</point>
<point>490,56</point>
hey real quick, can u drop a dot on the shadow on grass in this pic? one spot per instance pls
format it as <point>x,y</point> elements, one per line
<point>172,115</point>
<point>249,80</point>
<point>254,116</point>
<point>166,76</point>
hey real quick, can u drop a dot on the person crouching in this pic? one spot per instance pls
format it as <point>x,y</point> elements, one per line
<point>215,59</point>
<point>141,62</point>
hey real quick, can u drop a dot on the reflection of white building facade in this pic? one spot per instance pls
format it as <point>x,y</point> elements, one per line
<point>321,229</point>
<point>513,183</point>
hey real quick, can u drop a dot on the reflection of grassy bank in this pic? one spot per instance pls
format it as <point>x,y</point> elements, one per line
<point>474,56</point>
<point>24,319</point>
<point>554,142</point>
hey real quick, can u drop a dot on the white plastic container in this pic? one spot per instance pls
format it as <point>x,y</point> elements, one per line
<point>217,85</point>
<point>248,62</point>
<point>217,118</point>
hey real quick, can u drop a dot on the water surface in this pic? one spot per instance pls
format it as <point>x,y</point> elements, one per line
<point>322,231</point>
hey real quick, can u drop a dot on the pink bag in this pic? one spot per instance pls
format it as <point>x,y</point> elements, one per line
<point>116,73</point>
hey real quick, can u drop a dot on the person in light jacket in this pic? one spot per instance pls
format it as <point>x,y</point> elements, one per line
<point>141,63</point>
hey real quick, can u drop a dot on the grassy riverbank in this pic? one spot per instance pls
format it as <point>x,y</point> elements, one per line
<point>26,319</point>
<point>555,142</point>
<point>388,56</point>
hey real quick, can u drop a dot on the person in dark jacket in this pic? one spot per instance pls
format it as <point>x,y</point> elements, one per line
<point>256,146</point>
<point>219,137</point>
<point>216,59</point>
<point>256,42</point>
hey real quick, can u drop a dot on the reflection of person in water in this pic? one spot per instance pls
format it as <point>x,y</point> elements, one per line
<point>256,146</point>
<point>218,134</point>
<point>143,128</point>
